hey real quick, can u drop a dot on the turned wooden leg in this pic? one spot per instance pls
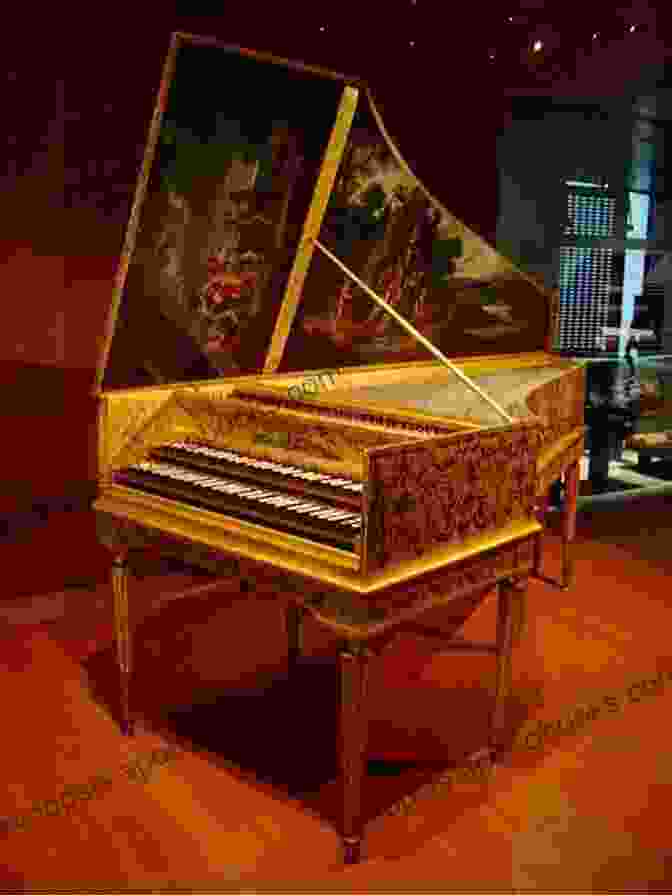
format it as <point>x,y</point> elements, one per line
<point>542,510</point>
<point>353,662</point>
<point>538,554</point>
<point>518,612</point>
<point>510,597</point>
<point>572,477</point>
<point>294,624</point>
<point>122,634</point>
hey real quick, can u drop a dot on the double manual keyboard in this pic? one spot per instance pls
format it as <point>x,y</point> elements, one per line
<point>322,507</point>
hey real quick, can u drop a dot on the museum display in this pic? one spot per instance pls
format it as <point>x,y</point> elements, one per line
<point>312,369</point>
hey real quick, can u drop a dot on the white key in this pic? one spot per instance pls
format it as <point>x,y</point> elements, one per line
<point>342,516</point>
<point>333,517</point>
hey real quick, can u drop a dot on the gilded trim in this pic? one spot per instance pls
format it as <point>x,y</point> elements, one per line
<point>199,40</point>
<point>319,563</point>
<point>138,200</point>
<point>311,228</point>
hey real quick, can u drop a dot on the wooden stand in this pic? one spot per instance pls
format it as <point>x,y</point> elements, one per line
<point>353,657</point>
<point>122,634</point>
<point>365,628</point>
<point>572,478</point>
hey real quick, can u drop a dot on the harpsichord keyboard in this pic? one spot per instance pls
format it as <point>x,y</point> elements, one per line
<point>321,507</point>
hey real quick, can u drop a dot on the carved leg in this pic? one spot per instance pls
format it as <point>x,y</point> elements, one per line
<point>353,661</point>
<point>510,597</point>
<point>572,478</point>
<point>542,510</point>
<point>294,623</point>
<point>122,634</point>
<point>538,554</point>
<point>518,612</point>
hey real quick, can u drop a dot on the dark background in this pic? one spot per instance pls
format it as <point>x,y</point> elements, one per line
<point>80,85</point>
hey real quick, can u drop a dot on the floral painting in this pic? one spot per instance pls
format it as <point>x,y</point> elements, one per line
<point>233,174</point>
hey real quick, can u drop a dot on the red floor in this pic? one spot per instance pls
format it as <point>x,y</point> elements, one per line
<point>577,806</point>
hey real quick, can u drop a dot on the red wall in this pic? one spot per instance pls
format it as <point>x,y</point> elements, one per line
<point>54,306</point>
<point>32,287</point>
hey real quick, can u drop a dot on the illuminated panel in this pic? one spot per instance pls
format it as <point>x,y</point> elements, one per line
<point>585,272</point>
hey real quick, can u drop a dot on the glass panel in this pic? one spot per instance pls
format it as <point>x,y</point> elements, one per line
<point>636,318</point>
<point>585,288</point>
<point>638,216</point>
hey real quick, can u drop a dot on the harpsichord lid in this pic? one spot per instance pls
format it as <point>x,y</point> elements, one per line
<point>458,292</point>
<point>250,160</point>
<point>241,155</point>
